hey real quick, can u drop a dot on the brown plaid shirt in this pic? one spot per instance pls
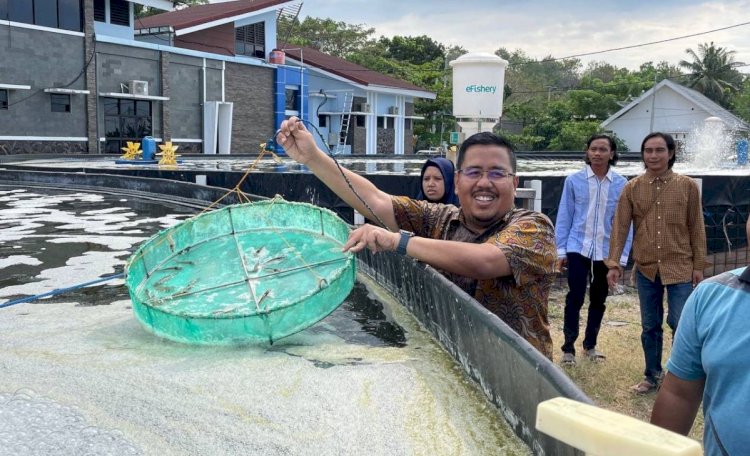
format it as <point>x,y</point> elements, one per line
<point>669,234</point>
<point>528,240</point>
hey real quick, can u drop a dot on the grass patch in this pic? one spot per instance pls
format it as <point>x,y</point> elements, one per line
<point>608,382</point>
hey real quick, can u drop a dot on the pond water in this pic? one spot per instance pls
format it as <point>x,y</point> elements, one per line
<point>410,166</point>
<point>80,375</point>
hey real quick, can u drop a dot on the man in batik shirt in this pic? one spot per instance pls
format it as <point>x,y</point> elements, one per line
<point>502,256</point>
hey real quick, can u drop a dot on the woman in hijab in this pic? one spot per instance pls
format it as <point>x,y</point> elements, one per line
<point>437,182</point>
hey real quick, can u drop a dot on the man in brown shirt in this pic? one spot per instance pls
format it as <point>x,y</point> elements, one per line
<point>502,256</point>
<point>669,245</point>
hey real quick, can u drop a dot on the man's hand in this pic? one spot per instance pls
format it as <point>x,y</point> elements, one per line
<point>297,142</point>
<point>374,238</point>
<point>562,264</point>
<point>697,277</point>
<point>613,277</point>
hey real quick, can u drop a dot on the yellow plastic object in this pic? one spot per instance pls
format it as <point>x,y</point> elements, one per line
<point>600,432</point>
<point>132,152</point>
<point>168,155</point>
<point>253,272</point>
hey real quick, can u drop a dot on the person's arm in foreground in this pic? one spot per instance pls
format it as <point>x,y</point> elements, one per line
<point>677,403</point>
<point>478,261</point>
<point>300,145</point>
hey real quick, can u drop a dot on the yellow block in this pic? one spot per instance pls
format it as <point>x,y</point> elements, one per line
<point>600,432</point>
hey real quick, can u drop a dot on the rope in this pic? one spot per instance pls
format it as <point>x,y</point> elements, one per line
<point>61,290</point>
<point>330,153</point>
<point>242,197</point>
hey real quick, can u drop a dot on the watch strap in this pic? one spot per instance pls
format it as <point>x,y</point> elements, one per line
<point>402,243</point>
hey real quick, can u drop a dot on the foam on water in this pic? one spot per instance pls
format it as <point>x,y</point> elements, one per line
<point>34,424</point>
<point>312,393</point>
<point>336,388</point>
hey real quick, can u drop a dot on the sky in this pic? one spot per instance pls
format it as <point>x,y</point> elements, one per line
<point>559,28</point>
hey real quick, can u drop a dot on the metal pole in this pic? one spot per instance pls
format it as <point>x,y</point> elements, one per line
<point>653,106</point>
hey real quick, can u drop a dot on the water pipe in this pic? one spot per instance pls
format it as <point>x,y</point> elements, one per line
<point>61,290</point>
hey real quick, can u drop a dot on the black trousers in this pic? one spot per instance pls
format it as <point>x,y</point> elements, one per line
<point>579,271</point>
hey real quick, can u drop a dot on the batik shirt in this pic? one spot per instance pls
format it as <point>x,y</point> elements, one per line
<point>667,216</point>
<point>528,241</point>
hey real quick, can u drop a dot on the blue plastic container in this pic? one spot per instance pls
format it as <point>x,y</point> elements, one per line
<point>742,147</point>
<point>148,145</point>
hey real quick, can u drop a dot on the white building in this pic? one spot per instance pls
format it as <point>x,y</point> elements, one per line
<point>670,108</point>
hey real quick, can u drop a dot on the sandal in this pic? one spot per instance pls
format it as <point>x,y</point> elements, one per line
<point>595,355</point>
<point>644,387</point>
<point>568,359</point>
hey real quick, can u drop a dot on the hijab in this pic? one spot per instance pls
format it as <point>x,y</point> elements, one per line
<point>447,170</point>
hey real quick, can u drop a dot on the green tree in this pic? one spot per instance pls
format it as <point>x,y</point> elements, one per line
<point>574,134</point>
<point>332,37</point>
<point>741,101</point>
<point>417,50</point>
<point>711,72</point>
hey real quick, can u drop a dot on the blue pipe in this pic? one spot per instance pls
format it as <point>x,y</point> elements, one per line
<point>61,290</point>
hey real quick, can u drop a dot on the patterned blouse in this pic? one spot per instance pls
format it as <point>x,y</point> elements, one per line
<point>528,240</point>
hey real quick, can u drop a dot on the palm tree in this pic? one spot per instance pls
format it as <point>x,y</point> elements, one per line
<point>712,71</point>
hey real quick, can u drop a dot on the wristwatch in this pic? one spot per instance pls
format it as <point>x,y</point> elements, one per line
<point>405,236</point>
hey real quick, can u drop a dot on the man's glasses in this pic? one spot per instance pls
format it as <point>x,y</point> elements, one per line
<point>494,174</point>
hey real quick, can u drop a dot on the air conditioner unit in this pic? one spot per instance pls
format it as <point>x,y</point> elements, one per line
<point>393,110</point>
<point>138,87</point>
<point>364,107</point>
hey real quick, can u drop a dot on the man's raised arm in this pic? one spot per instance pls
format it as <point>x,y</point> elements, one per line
<point>299,144</point>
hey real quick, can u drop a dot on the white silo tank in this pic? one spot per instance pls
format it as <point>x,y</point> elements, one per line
<point>478,83</point>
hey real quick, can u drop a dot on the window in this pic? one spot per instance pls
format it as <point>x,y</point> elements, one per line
<point>251,40</point>
<point>60,102</point>
<point>3,99</point>
<point>100,13</point>
<point>125,120</point>
<point>69,15</point>
<point>21,11</point>
<point>381,122</point>
<point>119,12</point>
<point>359,121</point>
<point>322,121</point>
<point>390,122</point>
<point>407,124</point>
<point>64,14</point>
<point>292,103</point>
<point>45,13</point>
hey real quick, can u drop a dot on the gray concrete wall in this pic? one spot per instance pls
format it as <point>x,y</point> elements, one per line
<point>41,60</point>
<point>120,64</point>
<point>45,59</point>
<point>213,80</point>
<point>186,97</point>
<point>117,64</point>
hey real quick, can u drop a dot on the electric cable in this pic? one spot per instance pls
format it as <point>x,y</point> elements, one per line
<point>271,146</point>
